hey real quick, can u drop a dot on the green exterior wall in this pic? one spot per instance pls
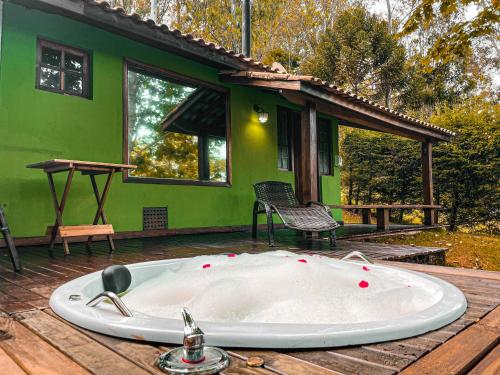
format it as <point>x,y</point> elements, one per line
<point>38,125</point>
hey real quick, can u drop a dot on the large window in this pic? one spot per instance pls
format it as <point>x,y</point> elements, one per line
<point>62,69</point>
<point>176,127</point>
<point>324,147</point>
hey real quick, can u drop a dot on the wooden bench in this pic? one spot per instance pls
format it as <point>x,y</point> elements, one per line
<point>383,211</point>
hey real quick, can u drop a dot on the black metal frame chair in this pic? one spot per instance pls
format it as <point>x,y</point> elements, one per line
<point>279,197</point>
<point>9,242</point>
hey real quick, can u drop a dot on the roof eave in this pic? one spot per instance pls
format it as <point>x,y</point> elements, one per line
<point>398,126</point>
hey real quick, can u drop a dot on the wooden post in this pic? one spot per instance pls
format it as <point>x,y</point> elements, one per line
<point>365,212</point>
<point>308,169</point>
<point>383,218</point>
<point>429,215</point>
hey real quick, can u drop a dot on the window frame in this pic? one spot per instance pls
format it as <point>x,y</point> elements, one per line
<point>86,71</point>
<point>323,123</point>
<point>163,73</point>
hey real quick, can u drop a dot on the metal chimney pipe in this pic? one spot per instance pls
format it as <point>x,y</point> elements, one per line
<point>246,29</point>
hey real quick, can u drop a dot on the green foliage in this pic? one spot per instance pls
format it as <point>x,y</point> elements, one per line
<point>456,42</point>
<point>467,169</point>
<point>424,90</point>
<point>379,168</point>
<point>360,54</point>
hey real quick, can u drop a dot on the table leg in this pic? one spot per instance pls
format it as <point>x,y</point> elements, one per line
<point>365,213</point>
<point>383,218</point>
<point>9,242</point>
<point>101,199</point>
<point>429,216</point>
<point>59,208</point>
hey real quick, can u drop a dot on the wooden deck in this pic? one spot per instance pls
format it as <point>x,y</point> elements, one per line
<point>33,340</point>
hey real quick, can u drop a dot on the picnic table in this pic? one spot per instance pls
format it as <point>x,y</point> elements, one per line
<point>383,211</point>
<point>91,169</point>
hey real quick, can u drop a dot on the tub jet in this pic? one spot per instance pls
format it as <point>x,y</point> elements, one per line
<point>193,357</point>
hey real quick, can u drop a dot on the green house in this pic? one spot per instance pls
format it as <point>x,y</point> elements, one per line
<point>82,81</point>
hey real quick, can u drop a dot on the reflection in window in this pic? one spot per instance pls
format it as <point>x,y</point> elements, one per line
<point>62,69</point>
<point>324,147</point>
<point>176,129</point>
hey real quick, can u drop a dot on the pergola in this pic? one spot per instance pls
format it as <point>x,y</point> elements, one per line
<point>315,95</point>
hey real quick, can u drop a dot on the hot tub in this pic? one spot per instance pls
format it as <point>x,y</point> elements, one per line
<point>270,300</point>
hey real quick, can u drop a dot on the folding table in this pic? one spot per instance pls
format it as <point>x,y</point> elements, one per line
<point>86,168</point>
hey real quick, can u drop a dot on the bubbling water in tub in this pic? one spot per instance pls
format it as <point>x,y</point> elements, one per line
<point>281,287</point>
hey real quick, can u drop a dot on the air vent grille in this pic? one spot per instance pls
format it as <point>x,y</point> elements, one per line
<point>154,218</point>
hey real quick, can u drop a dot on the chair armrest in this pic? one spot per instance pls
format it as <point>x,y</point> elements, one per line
<point>267,207</point>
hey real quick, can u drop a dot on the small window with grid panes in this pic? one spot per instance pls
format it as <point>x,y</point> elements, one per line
<point>63,69</point>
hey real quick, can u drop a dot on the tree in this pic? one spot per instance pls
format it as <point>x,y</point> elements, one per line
<point>359,54</point>
<point>467,169</point>
<point>457,40</point>
<point>380,168</point>
<point>424,90</point>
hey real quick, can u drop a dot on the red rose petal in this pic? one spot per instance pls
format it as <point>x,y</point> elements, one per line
<point>363,284</point>
<point>207,265</point>
<point>231,255</point>
<point>365,268</point>
<point>302,260</point>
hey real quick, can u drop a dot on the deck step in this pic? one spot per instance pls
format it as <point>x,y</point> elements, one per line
<point>85,230</point>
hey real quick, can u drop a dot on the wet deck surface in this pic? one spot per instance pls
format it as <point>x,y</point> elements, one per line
<point>34,340</point>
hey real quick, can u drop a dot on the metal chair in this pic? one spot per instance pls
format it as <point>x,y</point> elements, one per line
<point>279,197</point>
<point>9,242</point>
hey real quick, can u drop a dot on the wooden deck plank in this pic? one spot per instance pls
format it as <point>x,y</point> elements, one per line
<point>91,355</point>
<point>142,354</point>
<point>489,365</point>
<point>462,272</point>
<point>342,364</point>
<point>385,359</point>
<point>463,352</point>
<point>283,363</point>
<point>32,354</point>
<point>8,366</point>
<point>238,366</point>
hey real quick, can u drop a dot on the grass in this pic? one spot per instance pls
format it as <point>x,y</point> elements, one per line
<point>468,250</point>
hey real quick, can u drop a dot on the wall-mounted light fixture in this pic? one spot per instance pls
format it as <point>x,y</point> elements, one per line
<point>263,115</point>
<point>338,161</point>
